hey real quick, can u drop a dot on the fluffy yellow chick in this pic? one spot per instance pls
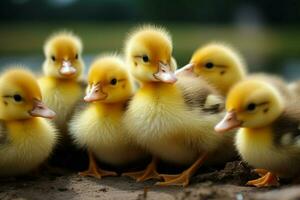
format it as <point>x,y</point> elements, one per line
<point>61,85</point>
<point>164,117</point>
<point>26,139</point>
<point>269,135</point>
<point>99,126</point>
<point>218,64</point>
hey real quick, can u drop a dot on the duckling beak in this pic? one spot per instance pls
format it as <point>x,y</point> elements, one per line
<point>67,69</point>
<point>41,110</point>
<point>228,123</point>
<point>186,70</point>
<point>95,94</point>
<point>165,74</point>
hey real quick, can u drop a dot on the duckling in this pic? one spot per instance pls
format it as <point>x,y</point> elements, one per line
<point>218,64</point>
<point>268,138</point>
<point>99,126</point>
<point>26,138</point>
<point>61,85</point>
<point>166,115</point>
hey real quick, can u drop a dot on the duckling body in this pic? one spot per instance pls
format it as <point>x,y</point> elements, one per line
<point>62,96</point>
<point>26,139</point>
<point>100,128</point>
<point>25,145</point>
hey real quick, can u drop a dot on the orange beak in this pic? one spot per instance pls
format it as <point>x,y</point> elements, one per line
<point>186,70</point>
<point>95,94</point>
<point>67,69</point>
<point>165,74</point>
<point>228,123</point>
<point>41,110</point>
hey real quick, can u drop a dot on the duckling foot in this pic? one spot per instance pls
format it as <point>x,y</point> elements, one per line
<point>182,179</point>
<point>266,180</point>
<point>147,174</point>
<point>97,173</point>
<point>94,170</point>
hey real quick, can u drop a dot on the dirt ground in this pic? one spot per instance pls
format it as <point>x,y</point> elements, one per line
<point>225,183</point>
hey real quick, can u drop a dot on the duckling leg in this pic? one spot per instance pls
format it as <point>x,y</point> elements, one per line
<point>149,173</point>
<point>94,170</point>
<point>183,179</point>
<point>269,179</point>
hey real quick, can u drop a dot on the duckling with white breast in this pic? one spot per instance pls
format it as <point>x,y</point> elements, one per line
<point>269,135</point>
<point>61,85</point>
<point>99,126</point>
<point>27,139</point>
<point>167,118</point>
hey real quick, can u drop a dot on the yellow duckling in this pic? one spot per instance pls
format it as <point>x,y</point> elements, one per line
<point>165,117</point>
<point>99,126</point>
<point>26,139</point>
<point>61,85</point>
<point>269,135</point>
<point>218,64</point>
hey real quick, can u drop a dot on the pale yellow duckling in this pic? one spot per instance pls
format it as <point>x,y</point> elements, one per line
<point>218,64</point>
<point>295,87</point>
<point>26,139</point>
<point>99,126</point>
<point>61,85</point>
<point>167,118</point>
<point>269,135</point>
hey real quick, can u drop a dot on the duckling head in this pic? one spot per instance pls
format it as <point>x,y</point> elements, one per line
<point>20,96</point>
<point>251,104</point>
<point>149,53</point>
<point>108,81</point>
<point>63,56</point>
<point>220,65</point>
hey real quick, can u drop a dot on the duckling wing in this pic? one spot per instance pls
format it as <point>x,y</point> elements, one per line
<point>287,126</point>
<point>197,93</point>
<point>3,133</point>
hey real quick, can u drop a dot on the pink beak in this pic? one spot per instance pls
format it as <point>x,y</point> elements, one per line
<point>95,94</point>
<point>165,74</point>
<point>67,69</point>
<point>228,123</point>
<point>186,70</point>
<point>41,110</point>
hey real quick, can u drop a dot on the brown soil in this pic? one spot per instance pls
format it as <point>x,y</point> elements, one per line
<point>224,183</point>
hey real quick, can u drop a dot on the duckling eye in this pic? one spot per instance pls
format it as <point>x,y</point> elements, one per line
<point>17,97</point>
<point>113,81</point>
<point>145,58</point>
<point>251,106</point>
<point>76,56</point>
<point>209,65</point>
<point>53,58</point>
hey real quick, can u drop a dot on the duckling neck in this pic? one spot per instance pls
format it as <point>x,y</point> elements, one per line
<point>157,86</point>
<point>109,108</point>
<point>261,134</point>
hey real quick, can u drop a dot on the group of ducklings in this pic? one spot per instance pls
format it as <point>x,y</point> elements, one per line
<point>139,105</point>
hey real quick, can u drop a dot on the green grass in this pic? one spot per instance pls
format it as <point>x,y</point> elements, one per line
<point>28,38</point>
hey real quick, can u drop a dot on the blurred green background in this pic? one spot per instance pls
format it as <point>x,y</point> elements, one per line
<point>267,33</point>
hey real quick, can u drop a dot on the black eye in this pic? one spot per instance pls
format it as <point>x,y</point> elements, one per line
<point>17,97</point>
<point>113,81</point>
<point>53,58</point>
<point>145,58</point>
<point>76,56</point>
<point>209,65</point>
<point>251,106</point>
